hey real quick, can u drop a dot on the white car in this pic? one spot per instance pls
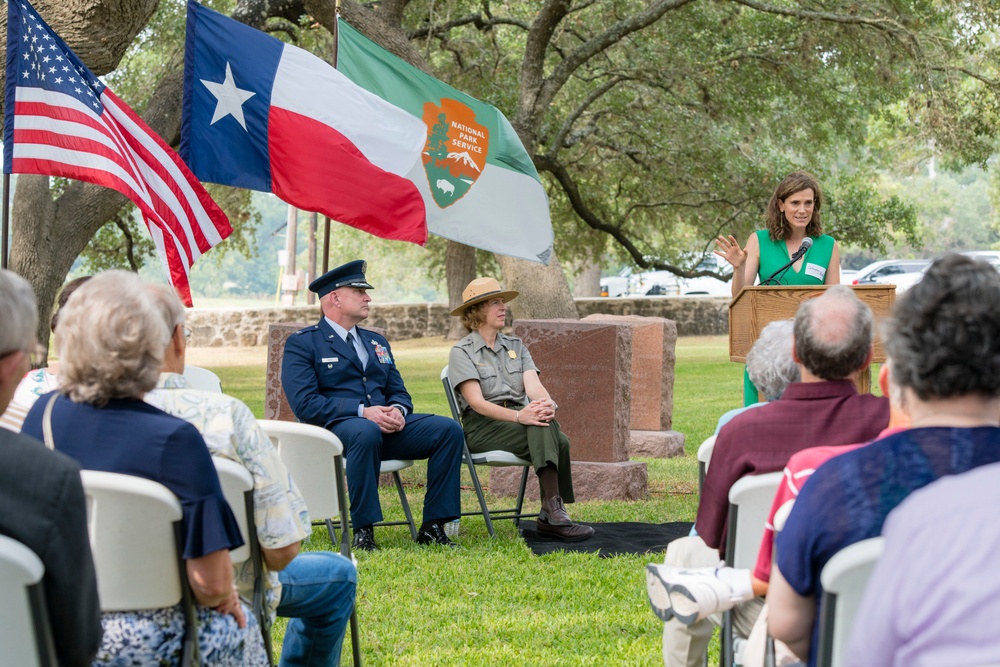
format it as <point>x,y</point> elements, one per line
<point>887,268</point>
<point>902,281</point>
<point>665,283</point>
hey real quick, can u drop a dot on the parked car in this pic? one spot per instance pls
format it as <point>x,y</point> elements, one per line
<point>902,281</point>
<point>665,283</point>
<point>886,268</point>
<point>847,276</point>
<point>990,256</point>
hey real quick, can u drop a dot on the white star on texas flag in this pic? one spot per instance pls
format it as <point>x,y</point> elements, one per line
<point>230,98</point>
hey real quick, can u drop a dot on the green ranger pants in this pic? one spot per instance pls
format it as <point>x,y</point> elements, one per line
<point>542,445</point>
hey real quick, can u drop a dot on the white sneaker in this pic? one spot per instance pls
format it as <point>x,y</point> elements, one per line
<point>690,595</point>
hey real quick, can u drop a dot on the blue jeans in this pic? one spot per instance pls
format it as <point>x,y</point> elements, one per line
<point>317,596</point>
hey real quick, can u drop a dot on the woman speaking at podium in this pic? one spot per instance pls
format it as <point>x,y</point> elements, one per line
<point>793,250</point>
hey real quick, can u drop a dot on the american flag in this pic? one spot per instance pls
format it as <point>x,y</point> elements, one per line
<point>60,120</point>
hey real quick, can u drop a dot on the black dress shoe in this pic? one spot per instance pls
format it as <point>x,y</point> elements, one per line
<point>364,540</point>
<point>434,534</point>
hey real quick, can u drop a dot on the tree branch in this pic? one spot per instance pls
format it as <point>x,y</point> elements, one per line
<point>572,190</point>
<point>477,20</point>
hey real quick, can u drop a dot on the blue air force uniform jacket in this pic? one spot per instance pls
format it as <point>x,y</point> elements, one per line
<point>324,381</point>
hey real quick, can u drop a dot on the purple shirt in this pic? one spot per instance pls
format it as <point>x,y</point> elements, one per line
<point>934,597</point>
<point>808,414</point>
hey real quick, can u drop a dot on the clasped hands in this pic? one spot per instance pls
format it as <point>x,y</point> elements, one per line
<point>538,413</point>
<point>388,418</point>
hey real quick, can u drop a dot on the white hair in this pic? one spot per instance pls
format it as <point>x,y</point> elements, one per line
<point>18,313</point>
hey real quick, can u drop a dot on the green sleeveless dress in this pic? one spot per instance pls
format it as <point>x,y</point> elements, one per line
<point>774,255</point>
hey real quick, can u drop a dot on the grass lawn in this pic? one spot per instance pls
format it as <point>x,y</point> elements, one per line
<point>494,602</point>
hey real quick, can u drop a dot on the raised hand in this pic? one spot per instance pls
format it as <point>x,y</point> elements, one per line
<point>729,249</point>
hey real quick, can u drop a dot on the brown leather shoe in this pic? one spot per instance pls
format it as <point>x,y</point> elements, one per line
<point>571,533</point>
<point>554,512</point>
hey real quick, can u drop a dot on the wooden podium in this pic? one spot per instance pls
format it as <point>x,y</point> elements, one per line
<point>756,307</point>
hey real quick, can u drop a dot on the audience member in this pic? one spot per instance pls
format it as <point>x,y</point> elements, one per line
<point>38,381</point>
<point>315,590</point>
<point>342,377</point>
<point>943,344</point>
<point>832,343</point>
<point>41,497</point>
<point>946,534</point>
<point>111,339</point>
<point>770,365</point>
<point>505,406</point>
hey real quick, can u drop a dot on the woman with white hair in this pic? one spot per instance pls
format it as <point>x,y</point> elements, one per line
<point>111,342</point>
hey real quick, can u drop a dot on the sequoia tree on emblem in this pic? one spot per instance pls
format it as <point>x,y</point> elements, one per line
<point>456,150</point>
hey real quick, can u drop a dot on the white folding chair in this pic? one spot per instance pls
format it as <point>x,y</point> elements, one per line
<point>313,456</point>
<point>237,487</point>
<point>278,428</point>
<point>202,379</point>
<point>137,542</point>
<point>844,578</point>
<point>496,458</point>
<point>705,450</point>
<point>750,500</point>
<point>25,631</point>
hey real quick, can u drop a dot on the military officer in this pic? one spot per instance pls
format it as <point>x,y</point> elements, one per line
<point>342,377</point>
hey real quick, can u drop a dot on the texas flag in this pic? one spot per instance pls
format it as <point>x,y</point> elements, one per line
<point>264,115</point>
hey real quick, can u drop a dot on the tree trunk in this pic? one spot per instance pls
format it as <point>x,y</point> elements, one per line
<point>48,234</point>
<point>460,267</point>
<point>544,290</point>
<point>588,279</point>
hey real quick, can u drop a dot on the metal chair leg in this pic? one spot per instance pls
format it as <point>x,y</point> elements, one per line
<point>406,505</point>
<point>520,496</point>
<point>477,485</point>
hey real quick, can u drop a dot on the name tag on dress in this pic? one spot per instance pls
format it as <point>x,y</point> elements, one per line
<point>816,271</point>
<point>329,360</point>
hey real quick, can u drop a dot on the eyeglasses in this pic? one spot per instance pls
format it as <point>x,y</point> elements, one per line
<point>187,334</point>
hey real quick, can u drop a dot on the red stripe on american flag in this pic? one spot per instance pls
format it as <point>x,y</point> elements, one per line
<point>170,198</point>
<point>206,222</point>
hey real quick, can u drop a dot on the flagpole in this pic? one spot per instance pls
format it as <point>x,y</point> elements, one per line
<point>326,218</point>
<point>6,220</point>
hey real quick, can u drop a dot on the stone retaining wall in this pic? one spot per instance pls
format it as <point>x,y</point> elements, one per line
<point>246,327</point>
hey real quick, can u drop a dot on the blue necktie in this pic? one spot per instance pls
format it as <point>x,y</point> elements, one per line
<point>354,352</point>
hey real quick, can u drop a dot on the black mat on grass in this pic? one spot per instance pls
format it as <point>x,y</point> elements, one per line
<point>611,539</point>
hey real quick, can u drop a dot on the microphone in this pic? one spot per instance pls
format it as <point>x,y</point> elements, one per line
<point>796,256</point>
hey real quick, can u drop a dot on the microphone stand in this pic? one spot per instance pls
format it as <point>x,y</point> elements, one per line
<point>796,256</point>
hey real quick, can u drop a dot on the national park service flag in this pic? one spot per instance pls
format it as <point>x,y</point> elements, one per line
<point>478,183</point>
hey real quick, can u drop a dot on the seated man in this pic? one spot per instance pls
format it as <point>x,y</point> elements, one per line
<point>832,343</point>
<point>342,377</point>
<point>41,497</point>
<point>943,344</point>
<point>315,590</point>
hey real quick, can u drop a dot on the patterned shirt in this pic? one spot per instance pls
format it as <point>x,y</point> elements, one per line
<point>35,383</point>
<point>231,432</point>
